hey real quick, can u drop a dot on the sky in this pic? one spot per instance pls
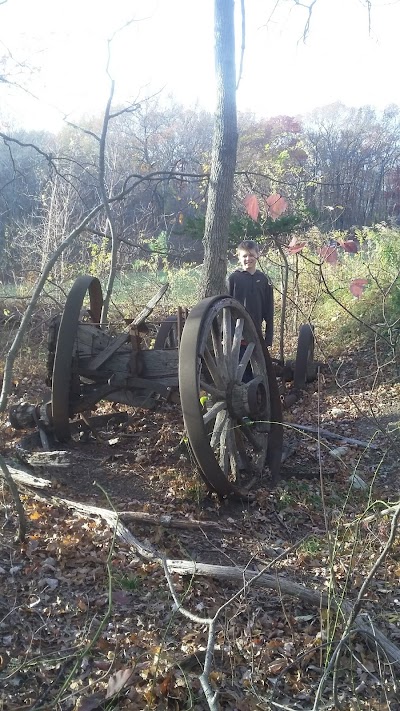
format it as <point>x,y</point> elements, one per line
<point>58,51</point>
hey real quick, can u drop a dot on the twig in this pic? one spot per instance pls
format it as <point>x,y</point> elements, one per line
<point>168,522</point>
<point>243,46</point>
<point>211,696</point>
<point>371,517</point>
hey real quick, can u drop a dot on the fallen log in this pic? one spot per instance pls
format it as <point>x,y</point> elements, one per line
<point>168,522</point>
<point>245,577</point>
<point>23,477</point>
<point>141,517</point>
<point>24,449</point>
<point>283,585</point>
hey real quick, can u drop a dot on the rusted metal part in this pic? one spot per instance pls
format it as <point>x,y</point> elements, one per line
<point>25,416</point>
<point>136,362</point>
<point>225,394</point>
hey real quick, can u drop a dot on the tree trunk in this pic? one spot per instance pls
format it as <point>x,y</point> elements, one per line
<point>223,160</point>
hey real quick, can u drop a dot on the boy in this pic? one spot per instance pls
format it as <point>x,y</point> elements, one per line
<point>252,288</point>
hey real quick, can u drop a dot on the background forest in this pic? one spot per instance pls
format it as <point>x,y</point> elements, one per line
<point>338,168</point>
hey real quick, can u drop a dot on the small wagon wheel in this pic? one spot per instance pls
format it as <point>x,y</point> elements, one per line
<point>62,369</point>
<point>305,369</point>
<point>167,335</point>
<point>225,394</point>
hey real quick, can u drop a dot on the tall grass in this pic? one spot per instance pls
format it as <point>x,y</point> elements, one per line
<point>317,291</point>
<point>320,291</point>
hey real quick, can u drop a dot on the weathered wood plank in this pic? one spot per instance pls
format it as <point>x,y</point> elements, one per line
<point>159,365</point>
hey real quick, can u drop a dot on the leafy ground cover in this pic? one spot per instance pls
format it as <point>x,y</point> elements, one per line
<point>87,622</point>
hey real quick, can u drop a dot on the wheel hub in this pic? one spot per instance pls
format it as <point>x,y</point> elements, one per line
<point>248,399</point>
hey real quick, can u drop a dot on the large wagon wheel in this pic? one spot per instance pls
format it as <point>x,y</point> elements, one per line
<point>167,334</point>
<point>305,368</point>
<point>62,369</point>
<point>225,394</point>
<point>170,332</point>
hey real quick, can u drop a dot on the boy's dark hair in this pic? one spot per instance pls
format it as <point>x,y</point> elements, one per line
<point>247,245</point>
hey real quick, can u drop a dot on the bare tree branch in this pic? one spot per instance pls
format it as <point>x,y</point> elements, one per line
<point>243,46</point>
<point>308,21</point>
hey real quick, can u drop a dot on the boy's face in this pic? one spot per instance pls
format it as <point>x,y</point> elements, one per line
<point>248,260</point>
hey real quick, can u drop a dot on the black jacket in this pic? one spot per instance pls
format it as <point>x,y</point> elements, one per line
<point>256,294</point>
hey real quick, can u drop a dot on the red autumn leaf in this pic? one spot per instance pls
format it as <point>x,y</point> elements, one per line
<point>357,287</point>
<point>276,205</point>
<point>294,246</point>
<point>252,207</point>
<point>349,245</point>
<point>329,254</point>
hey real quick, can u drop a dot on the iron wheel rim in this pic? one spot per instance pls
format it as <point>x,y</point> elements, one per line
<point>62,368</point>
<point>229,445</point>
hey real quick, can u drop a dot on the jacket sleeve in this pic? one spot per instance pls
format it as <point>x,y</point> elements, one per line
<point>268,314</point>
<point>230,284</point>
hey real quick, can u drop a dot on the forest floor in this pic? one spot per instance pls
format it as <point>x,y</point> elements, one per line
<point>88,623</point>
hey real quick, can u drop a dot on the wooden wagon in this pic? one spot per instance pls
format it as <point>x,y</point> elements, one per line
<point>213,362</point>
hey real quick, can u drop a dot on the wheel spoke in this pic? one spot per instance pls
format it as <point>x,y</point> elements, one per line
<point>171,342</point>
<point>227,340</point>
<point>212,368</point>
<point>216,339</point>
<point>236,343</point>
<point>214,392</point>
<point>252,438</point>
<point>213,411</point>
<point>223,447</point>
<point>233,454</point>
<point>245,359</point>
<point>218,426</point>
<point>218,350</point>
<point>241,450</point>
